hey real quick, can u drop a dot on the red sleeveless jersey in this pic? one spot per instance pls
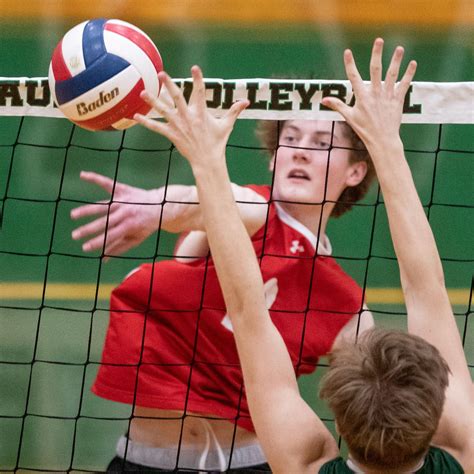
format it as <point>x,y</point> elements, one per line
<point>170,345</point>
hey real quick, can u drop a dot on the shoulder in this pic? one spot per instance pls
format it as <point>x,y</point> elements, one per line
<point>261,190</point>
<point>252,203</point>
<point>440,461</point>
<point>334,466</point>
<point>455,432</point>
<point>251,193</point>
<point>328,462</point>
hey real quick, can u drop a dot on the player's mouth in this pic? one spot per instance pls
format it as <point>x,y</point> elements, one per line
<point>299,174</point>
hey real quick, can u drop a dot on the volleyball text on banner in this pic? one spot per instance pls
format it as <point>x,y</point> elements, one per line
<point>426,102</point>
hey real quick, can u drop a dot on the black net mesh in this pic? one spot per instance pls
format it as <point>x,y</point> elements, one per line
<point>54,297</point>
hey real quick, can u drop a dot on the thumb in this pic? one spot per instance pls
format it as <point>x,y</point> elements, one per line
<point>337,105</point>
<point>237,108</point>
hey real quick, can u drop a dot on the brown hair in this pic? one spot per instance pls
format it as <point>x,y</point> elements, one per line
<point>268,132</point>
<point>387,394</point>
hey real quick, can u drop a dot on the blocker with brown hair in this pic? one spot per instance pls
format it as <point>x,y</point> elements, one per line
<point>403,403</point>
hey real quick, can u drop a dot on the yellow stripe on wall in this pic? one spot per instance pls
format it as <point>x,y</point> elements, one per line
<point>355,12</point>
<point>457,296</point>
<point>87,291</point>
<point>54,291</point>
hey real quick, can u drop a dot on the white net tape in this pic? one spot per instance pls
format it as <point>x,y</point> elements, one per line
<point>271,99</point>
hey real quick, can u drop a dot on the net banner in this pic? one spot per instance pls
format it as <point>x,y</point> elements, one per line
<point>270,99</point>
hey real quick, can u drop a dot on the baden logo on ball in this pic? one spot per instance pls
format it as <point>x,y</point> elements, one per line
<point>83,108</point>
<point>98,71</point>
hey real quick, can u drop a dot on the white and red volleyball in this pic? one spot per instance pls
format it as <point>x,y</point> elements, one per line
<point>99,69</point>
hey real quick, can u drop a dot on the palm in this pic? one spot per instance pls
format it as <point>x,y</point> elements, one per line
<point>121,223</point>
<point>377,112</point>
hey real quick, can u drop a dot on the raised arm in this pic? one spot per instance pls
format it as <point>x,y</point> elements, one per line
<point>292,436</point>
<point>134,214</point>
<point>376,118</point>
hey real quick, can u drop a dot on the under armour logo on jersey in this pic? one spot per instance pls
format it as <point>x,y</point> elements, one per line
<point>296,247</point>
<point>271,291</point>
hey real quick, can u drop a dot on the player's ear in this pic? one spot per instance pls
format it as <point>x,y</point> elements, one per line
<point>356,173</point>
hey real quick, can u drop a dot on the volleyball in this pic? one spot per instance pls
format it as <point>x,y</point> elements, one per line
<point>98,71</point>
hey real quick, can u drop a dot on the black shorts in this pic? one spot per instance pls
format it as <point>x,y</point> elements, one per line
<point>118,465</point>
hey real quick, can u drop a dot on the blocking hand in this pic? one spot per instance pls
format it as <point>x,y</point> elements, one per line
<point>377,113</point>
<point>199,136</point>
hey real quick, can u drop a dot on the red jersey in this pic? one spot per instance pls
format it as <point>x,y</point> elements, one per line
<point>170,345</point>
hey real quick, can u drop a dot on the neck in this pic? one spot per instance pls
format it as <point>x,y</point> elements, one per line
<point>313,216</point>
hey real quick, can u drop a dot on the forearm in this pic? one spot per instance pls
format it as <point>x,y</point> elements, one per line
<point>226,233</point>
<point>267,368</point>
<point>181,211</point>
<point>420,265</point>
<point>429,311</point>
<point>241,282</point>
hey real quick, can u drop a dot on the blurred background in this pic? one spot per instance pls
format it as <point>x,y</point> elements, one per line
<point>54,298</point>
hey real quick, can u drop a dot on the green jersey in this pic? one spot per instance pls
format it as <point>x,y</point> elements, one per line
<point>436,461</point>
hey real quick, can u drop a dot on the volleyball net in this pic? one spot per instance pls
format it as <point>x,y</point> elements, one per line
<point>54,297</point>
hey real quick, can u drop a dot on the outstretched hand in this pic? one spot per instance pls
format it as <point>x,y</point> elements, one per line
<point>123,223</point>
<point>199,136</point>
<point>377,113</point>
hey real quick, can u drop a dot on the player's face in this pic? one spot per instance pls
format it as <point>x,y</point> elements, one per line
<point>303,162</point>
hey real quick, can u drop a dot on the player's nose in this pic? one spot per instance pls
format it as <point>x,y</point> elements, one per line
<point>302,154</point>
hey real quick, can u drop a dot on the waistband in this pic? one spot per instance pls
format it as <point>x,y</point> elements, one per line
<point>216,458</point>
